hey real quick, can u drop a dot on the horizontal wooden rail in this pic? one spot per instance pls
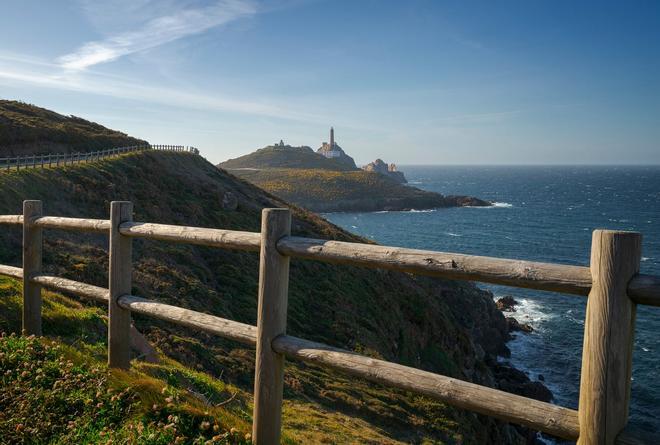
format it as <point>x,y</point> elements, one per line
<point>543,276</point>
<point>11,271</point>
<point>80,224</point>
<point>229,239</point>
<point>77,288</point>
<point>11,219</point>
<point>233,330</point>
<point>643,289</point>
<point>552,419</point>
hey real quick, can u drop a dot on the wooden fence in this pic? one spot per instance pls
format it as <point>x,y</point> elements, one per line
<point>57,159</point>
<point>611,283</point>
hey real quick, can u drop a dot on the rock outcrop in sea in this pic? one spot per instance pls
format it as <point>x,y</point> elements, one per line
<point>379,166</point>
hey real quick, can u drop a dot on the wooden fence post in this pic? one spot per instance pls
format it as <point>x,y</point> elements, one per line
<point>32,251</point>
<point>271,322</point>
<point>609,329</point>
<point>119,277</point>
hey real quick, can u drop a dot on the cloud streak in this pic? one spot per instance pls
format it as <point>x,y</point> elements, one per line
<point>156,32</point>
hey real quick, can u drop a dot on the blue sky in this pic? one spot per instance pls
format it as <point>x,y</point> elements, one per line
<point>415,82</point>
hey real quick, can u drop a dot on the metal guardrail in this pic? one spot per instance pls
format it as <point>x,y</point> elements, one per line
<point>61,159</point>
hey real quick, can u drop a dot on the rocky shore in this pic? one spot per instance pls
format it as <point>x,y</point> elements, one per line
<point>492,326</point>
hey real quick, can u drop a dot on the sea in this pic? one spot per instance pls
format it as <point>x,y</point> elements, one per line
<point>542,214</point>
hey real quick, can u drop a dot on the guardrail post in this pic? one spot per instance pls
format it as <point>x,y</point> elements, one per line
<point>609,329</point>
<point>271,322</point>
<point>32,254</point>
<point>119,277</point>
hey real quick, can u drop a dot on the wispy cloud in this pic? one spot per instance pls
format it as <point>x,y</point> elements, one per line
<point>45,75</point>
<point>158,31</point>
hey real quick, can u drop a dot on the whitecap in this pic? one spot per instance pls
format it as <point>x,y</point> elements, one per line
<point>494,205</point>
<point>452,234</point>
<point>645,258</point>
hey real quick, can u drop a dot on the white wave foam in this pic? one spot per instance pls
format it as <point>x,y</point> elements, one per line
<point>645,258</point>
<point>452,234</point>
<point>407,211</point>
<point>531,312</point>
<point>494,205</point>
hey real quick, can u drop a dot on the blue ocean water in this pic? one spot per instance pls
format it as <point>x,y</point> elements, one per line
<point>542,214</point>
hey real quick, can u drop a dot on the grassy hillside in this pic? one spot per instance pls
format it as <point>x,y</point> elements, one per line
<point>436,325</point>
<point>339,191</point>
<point>274,156</point>
<point>27,129</point>
<point>59,390</point>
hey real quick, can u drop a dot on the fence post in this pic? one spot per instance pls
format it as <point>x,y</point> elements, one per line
<point>609,329</point>
<point>32,248</point>
<point>271,322</point>
<point>119,277</point>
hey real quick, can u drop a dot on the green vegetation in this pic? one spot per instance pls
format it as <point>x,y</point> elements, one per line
<point>275,156</point>
<point>345,191</point>
<point>60,391</point>
<point>411,320</point>
<point>27,129</point>
<point>310,180</point>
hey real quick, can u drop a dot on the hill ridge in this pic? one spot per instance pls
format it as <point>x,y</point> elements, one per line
<point>26,129</point>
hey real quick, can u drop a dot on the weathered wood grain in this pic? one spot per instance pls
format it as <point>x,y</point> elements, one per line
<point>532,275</point>
<point>609,329</point>
<point>78,224</point>
<point>645,289</point>
<point>228,239</point>
<point>73,287</point>
<point>119,278</point>
<point>11,271</point>
<point>271,322</point>
<point>552,419</point>
<point>11,219</point>
<point>32,255</point>
<point>230,329</point>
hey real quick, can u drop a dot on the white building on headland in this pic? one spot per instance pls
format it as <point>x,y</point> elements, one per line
<point>330,150</point>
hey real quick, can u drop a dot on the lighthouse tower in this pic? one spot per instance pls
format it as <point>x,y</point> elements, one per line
<point>331,150</point>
